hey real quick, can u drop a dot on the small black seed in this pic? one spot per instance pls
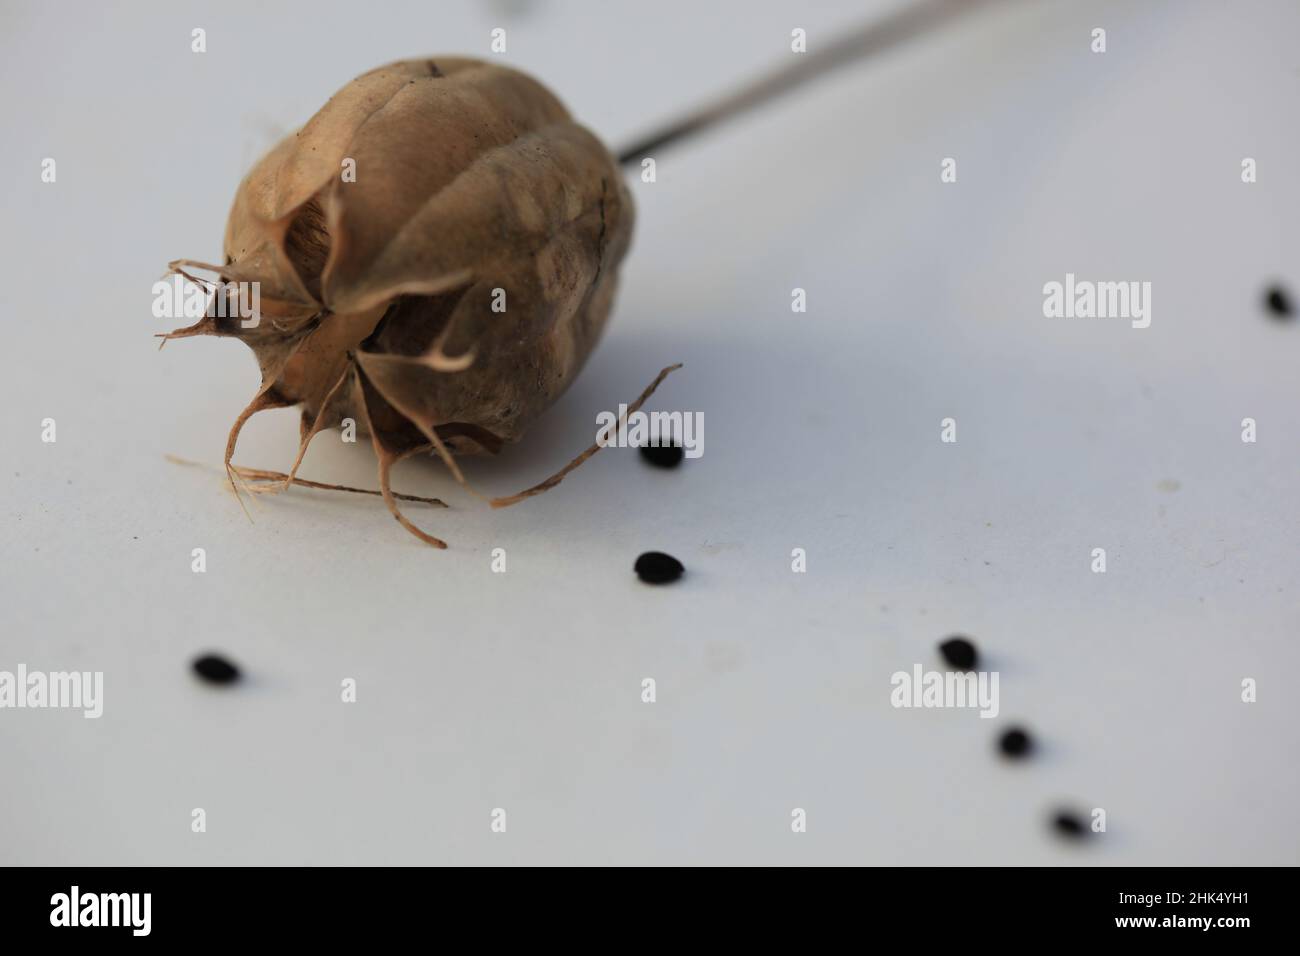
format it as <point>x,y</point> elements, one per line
<point>1015,742</point>
<point>216,670</point>
<point>655,567</point>
<point>959,652</point>
<point>1068,824</point>
<point>1278,302</point>
<point>663,456</point>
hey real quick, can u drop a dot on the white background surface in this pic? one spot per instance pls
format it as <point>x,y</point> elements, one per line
<point>479,690</point>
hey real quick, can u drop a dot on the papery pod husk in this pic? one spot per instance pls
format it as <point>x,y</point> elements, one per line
<point>376,293</point>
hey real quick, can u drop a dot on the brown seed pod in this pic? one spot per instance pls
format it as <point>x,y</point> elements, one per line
<point>472,187</point>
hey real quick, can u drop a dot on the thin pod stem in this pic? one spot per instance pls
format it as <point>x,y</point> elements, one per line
<point>875,37</point>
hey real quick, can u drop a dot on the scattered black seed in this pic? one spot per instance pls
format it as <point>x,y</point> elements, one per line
<point>960,653</point>
<point>655,567</point>
<point>216,670</point>
<point>1068,824</point>
<point>663,456</point>
<point>1015,742</point>
<point>1278,302</point>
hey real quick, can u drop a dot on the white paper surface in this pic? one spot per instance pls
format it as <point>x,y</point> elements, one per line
<point>522,690</point>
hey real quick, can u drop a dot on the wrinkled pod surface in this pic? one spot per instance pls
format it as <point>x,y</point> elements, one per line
<point>377,289</point>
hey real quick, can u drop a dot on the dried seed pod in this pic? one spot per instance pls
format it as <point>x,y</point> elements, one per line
<point>473,187</point>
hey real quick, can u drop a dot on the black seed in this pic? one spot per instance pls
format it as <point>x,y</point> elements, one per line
<point>1068,824</point>
<point>1015,742</point>
<point>216,670</point>
<point>655,567</point>
<point>959,652</point>
<point>1278,302</point>
<point>663,456</point>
